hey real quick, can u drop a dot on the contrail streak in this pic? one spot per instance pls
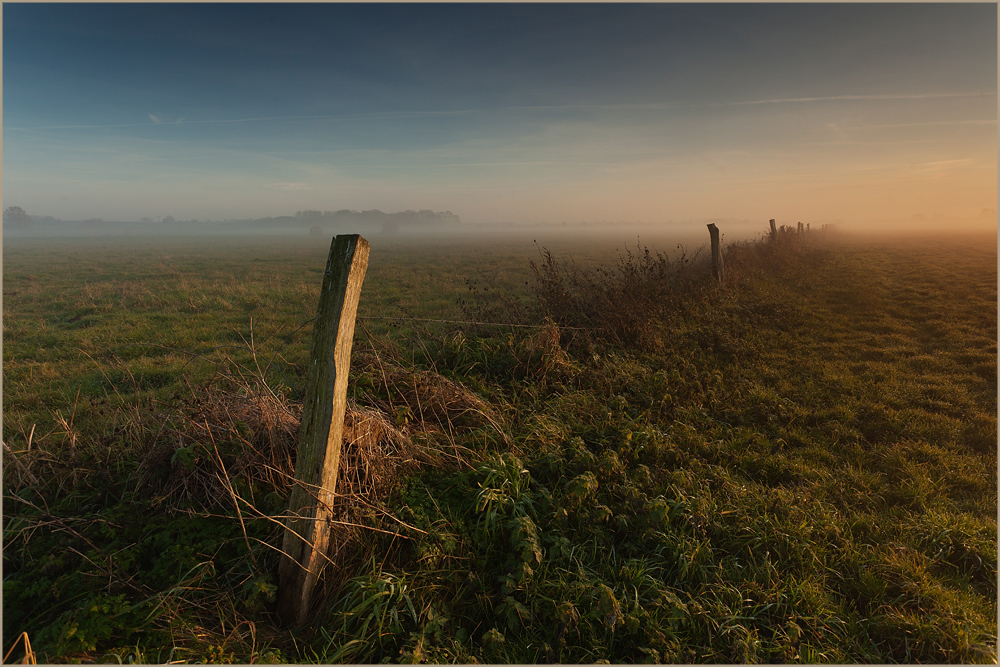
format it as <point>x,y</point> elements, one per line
<point>875,97</point>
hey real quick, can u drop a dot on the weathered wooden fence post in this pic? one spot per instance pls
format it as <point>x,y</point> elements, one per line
<point>800,227</point>
<point>774,231</point>
<point>717,269</point>
<point>307,529</point>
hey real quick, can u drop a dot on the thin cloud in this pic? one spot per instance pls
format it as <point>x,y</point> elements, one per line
<point>462,165</point>
<point>945,164</point>
<point>624,106</point>
<point>856,142</point>
<point>984,121</point>
<point>85,147</point>
<point>157,119</point>
<point>872,98</point>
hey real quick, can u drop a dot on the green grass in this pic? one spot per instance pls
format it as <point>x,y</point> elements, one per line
<point>798,467</point>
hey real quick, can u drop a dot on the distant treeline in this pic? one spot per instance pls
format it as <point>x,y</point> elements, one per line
<point>407,217</point>
<point>371,220</point>
<point>374,220</point>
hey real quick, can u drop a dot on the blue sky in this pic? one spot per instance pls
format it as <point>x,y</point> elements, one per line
<point>531,112</point>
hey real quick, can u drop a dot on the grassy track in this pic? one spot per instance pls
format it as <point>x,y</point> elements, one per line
<point>798,467</point>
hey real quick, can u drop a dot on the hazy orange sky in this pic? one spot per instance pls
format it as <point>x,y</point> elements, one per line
<point>860,113</point>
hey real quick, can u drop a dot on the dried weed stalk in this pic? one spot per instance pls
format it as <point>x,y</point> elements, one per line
<point>242,436</point>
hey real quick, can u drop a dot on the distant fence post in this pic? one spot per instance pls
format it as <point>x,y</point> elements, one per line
<point>717,269</point>
<point>774,231</point>
<point>800,229</point>
<point>307,530</point>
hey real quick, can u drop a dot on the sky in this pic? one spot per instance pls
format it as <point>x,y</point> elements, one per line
<point>867,114</point>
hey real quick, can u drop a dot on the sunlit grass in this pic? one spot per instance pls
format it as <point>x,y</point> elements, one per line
<point>800,467</point>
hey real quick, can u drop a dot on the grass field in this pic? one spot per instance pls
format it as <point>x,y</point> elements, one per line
<point>797,467</point>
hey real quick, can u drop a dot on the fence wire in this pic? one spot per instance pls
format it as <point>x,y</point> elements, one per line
<point>472,322</point>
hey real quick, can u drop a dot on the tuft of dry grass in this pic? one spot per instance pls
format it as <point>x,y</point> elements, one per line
<point>233,442</point>
<point>543,352</point>
<point>249,434</point>
<point>235,430</point>
<point>430,408</point>
<point>429,397</point>
<point>225,430</point>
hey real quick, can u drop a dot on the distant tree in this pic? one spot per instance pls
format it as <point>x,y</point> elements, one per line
<point>169,220</point>
<point>16,216</point>
<point>315,230</point>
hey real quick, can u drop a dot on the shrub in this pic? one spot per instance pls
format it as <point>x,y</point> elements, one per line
<point>629,303</point>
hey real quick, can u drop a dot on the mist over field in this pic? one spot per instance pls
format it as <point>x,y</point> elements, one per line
<point>381,227</point>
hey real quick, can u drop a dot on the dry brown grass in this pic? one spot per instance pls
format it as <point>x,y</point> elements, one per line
<point>191,450</point>
<point>224,431</point>
<point>57,460</point>
<point>429,398</point>
<point>234,442</point>
<point>226,448</point>
<point>248,432</point>
<point>542,352</point>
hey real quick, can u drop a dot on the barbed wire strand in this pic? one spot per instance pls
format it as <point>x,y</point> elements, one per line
<point>484,324</point>
<point>288,337</point>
